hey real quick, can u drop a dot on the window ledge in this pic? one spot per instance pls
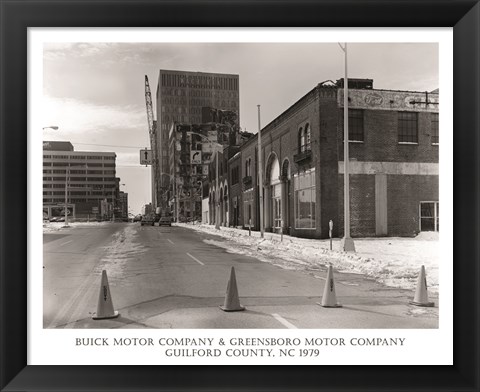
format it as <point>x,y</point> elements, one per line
<point>409,143</point>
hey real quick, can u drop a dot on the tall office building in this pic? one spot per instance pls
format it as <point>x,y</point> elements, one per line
<point>181,95</point>
<point>92,188</point>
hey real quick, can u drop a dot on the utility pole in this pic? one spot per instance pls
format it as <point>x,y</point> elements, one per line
<point>217,201</point>
<point>260,174</point>
<point>113,203</point>
<point>347,242</point>
<point>67,174</point>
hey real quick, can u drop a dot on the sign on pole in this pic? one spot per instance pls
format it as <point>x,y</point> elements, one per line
<point>195,157</point>
<point>145,157</point>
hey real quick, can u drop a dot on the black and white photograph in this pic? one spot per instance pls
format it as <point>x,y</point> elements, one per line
<point>198,204</point>
<point>160,212</point>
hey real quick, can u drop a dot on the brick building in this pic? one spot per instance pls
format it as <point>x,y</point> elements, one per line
<point>249,183</point>
<point>393,147</point>
<point>235,195</point>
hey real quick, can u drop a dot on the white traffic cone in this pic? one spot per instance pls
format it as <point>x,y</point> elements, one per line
<point>421,295</point>
<point>329,299</point>
<point>105,305</point>
<point>232,302</point>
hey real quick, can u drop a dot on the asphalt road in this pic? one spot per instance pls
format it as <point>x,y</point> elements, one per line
<point>164,277</point>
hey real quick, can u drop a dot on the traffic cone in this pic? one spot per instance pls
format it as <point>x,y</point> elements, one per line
<point>421,295</point>
<point>232,303</point>
<point>329,299</point>
<point>105,305</point>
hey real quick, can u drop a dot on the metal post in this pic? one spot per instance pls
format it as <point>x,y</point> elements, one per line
<point>250,227</point>
<point>67,173</point>
<point>260,174</point>
<point>330,228</point>
<point>281,230</point>
<point>217,201</point>
<point>348,244</point>
<point>113,204</point>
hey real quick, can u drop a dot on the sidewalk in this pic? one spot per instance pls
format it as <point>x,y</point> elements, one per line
<point>393,261</point>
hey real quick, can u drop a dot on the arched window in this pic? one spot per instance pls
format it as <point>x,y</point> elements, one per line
<point>301,139</point>
<point>248,171</point>
<point>307,136</point>
<point>304,137</point>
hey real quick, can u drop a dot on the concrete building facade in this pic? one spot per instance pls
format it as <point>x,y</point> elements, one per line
<point>89,176</point>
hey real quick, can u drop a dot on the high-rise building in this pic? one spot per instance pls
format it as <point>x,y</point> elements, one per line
<point>89,176</point>
<point>123,205</point>
<point>182,97</point>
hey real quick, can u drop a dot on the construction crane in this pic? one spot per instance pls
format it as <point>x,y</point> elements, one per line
<point>148,101</point>
<point>152,125</point>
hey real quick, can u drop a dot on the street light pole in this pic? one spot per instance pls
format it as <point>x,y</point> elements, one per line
<point>217,193</point>
<point>67,174</point>
<point>260,174</point>
<point>113,203</point>
<point>347,242</point>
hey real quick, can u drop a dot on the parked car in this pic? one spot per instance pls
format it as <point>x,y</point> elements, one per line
<point>148,220</point>
<point>137,218</point>
<point>165,221</point>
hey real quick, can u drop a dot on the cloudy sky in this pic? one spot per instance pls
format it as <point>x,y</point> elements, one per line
<point>94,92</point>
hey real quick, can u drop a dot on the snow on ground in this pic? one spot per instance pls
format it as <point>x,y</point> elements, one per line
<point>52,227</point>
<point>392,261</point>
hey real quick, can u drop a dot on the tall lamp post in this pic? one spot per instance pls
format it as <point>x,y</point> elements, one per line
<point>347,242</point>
<point>113,203</point>
<point>67,175</point>
<point>260,174</point>
<point>217,196</point>
<point>122,206</point>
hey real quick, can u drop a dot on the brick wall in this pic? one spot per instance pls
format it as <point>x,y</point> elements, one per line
<point>404,196</point>
<point>235,191</point>
<point>362,206</point>
<point>381,139</point>
<point>249,150</point>
<point>327,176</point>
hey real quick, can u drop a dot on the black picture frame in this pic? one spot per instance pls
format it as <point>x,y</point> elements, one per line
<point>18,15</point>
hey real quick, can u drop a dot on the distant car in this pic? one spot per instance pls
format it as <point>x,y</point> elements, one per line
<point>148,220</point>
<point>165,221</point>
<point>137,218</point>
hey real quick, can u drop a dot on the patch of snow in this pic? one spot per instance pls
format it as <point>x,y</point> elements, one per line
<point>392,261</point>
<point>51,227</point>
